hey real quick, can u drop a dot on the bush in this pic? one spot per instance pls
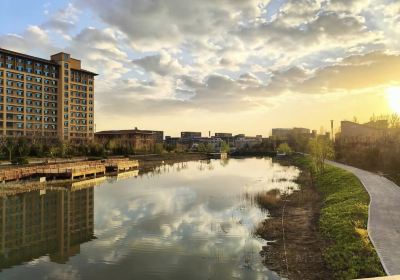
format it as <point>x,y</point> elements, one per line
<point>20,161</point>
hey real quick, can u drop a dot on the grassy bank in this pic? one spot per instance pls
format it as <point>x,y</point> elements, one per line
<point>343,223</point>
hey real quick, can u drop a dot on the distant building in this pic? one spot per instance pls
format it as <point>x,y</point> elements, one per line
<point>226,137</point>
<point>223,135</point>
<point>247,142</point>
<point>351,131</point>
<point>286,132</point>
<point>239,136</point>
<point>141,140</point>
<point>190,134</point>
<point>159,135</point>
<point>301,130</point>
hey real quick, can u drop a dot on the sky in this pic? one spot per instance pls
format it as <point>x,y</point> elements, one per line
<point>240,66</point>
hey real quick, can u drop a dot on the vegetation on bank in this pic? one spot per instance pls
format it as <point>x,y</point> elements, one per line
<point>343,222</point>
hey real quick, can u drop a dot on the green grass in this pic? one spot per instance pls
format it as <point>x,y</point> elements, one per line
<point>349,253</point>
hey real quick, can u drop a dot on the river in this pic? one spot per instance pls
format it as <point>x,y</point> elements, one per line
<point>191,220</point>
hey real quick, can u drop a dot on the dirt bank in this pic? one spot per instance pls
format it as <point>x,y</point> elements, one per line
<point>148,162</point>
<point>296,252</point>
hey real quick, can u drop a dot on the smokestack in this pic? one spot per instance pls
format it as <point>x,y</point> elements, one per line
<point>209,134</point>
<point>333,138</point>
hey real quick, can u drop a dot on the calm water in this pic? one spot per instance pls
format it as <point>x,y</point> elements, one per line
<point>187,221</point>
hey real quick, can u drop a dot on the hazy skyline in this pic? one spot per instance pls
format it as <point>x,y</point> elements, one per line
<point>225,66</point>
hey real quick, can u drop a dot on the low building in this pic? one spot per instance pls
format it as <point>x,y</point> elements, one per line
<point>281,132</point>
<point>190,134</point>
<point>226,137</point>
<point>138,140</point>
<point>355,132</point>
<point>286,132</point>
<point>223,135</point>
<point>247,142</point>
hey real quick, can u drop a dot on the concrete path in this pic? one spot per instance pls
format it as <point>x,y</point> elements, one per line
<point>384,216</point>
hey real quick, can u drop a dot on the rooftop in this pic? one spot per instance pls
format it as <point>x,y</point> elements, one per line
<point>9,52</point>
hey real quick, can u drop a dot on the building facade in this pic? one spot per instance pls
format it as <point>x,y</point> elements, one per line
<point>138,140</point>
<point>190,134</point>
<point>46,98</point>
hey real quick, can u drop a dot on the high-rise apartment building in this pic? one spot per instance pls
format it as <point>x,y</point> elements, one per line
<point>46,98</point>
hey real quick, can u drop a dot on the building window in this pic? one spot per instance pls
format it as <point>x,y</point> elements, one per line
<point>66,65</point>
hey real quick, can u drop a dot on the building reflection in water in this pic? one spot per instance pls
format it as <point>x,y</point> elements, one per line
<point>38,223</point>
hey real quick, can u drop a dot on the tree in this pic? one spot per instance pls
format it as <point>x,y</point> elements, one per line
<point>201,148</point>
<point>225,148</point>
<point>9,144</point>
<point>284,148</point>
<point>321,148</point>
<point>23,147</point>
<point>210,148</point>
<point>158,148</point>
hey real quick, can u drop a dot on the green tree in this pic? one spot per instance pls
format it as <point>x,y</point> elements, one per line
<point>225,148</point>
<point>284,148</point>
<point>321,149</point>
<point>158,148</point>
<point>201,148</point>
<point>210,148</point>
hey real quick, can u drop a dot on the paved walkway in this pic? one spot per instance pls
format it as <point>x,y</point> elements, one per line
<point>384,216</point>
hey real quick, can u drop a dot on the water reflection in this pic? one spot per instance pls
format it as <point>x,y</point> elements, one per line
<point>38,223</point>
<point>183,221</point>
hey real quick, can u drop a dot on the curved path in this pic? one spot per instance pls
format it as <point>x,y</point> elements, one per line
<point>384,216</point>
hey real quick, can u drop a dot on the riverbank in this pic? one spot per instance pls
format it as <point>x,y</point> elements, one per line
<point>325,228</point>
<point>297,250</point>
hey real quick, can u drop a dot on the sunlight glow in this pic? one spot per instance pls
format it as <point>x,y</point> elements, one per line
<point>393,96</point>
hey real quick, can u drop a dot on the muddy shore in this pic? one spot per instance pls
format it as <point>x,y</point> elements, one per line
<point>295,246</point>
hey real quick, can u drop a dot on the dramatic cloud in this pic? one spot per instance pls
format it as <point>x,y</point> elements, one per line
<point>173,57</point>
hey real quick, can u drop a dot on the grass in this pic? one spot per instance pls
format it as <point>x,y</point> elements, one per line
<point>343,223</point>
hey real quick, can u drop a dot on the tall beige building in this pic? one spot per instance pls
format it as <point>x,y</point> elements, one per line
<point>46,98</point>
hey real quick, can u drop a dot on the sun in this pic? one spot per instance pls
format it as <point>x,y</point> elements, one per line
<point>393,96</point>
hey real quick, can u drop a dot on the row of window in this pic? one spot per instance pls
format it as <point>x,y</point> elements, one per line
<point>31,117</point>
<point>78,80</point>
<point>31,125</point>
<point>78,108</point>
<point>29,102</point>
<point>82,88</point>
<point>28,94</point>
<point>14,75</point>
<point>17,76</point>
<point>28,69</point>
<point>78,115</point>
<point>78,94</point>
<point>28,110</point>
<point>78,101</point>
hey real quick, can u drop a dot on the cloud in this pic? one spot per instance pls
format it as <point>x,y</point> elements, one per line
<point>34,37</point>
<point>162,64</point>
<point>353,73</point>
<point>176,20</point>
<point>63,20</point>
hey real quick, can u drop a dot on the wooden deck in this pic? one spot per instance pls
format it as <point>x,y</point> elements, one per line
<point>121,165</point>
<point>70,170</point>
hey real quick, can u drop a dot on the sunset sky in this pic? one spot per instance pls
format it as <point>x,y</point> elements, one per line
<point>240,66</point>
